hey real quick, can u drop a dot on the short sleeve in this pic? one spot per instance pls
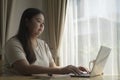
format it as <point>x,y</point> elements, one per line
<point>49,53</point>
<point>14,52</point>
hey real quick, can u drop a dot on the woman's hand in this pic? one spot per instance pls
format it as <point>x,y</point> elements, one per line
<point>70,69</point>
<point>83,69</point>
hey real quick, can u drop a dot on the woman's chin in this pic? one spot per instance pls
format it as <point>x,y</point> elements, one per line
<point>39,34</point>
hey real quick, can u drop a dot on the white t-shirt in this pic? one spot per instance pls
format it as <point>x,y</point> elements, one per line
<point>13,52</point>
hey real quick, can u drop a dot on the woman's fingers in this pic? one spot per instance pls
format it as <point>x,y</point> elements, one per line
<point>75,70</point>
<point>84,69</point>
<point>72,69</point>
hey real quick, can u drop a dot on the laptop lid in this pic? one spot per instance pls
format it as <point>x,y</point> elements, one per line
<point>100,61</point>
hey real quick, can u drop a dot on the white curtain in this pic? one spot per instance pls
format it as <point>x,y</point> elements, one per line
<point>90,24</point>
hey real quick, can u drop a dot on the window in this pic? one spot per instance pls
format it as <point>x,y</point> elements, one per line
<point>90,24</point>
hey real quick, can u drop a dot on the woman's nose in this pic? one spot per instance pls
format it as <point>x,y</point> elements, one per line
<point>41,25</point>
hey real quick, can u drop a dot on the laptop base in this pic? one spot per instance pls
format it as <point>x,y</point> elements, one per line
<point>85,75</point>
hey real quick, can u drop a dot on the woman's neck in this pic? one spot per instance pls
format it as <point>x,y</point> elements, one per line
<point>34,42</point>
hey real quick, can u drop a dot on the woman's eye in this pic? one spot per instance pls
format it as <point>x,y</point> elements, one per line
<point>43,23</point>
<point>38,21</point>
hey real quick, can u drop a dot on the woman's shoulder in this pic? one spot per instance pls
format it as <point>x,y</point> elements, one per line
<point>13,41</point>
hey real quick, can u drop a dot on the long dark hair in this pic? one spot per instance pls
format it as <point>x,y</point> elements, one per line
<point>24,34</point>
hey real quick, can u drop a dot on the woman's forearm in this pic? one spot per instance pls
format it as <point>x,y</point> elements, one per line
<point>33,69</point>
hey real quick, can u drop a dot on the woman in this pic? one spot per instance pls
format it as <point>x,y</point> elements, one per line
<point>25,54</point>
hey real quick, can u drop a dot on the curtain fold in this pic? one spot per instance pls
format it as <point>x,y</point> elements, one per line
<point>5,12</point>
<point>56,18</point>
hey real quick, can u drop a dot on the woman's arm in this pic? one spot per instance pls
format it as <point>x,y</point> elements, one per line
<point>26,69</point>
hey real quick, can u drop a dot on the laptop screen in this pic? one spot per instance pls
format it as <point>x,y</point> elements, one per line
<point>100,61</point>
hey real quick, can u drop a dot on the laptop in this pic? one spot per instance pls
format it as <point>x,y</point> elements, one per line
<point>99,63</point>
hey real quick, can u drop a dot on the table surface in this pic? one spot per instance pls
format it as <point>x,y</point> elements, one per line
<point>59,77</point>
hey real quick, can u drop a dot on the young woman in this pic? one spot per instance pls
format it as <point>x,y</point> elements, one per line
<point>25,54</point>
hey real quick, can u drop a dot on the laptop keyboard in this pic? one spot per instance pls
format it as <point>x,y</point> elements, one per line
<point>84,74</point>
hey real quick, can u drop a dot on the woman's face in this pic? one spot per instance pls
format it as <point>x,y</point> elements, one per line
<point>36,25</point>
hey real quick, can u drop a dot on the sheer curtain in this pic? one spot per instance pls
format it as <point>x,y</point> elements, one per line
<point>90,24</point>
